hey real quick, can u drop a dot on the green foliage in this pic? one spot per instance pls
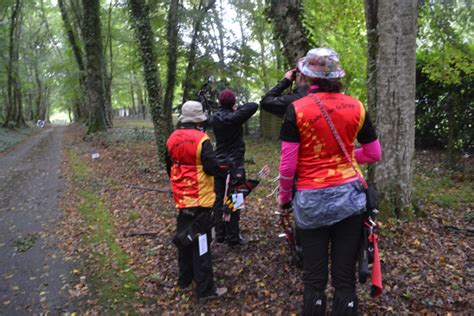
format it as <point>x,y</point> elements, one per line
<point>445,72</point>
<point>444,112</point>
<point>446,40</point>
<point>341,25</point>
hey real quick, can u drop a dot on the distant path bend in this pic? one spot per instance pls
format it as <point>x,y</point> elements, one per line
<point>34,278</point>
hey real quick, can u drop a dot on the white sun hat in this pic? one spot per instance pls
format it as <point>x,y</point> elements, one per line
<point>191,112</point>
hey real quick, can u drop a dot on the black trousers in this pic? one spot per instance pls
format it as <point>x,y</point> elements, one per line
<point>192,266</point>
<point>344,240</point>
<point>225,231</point>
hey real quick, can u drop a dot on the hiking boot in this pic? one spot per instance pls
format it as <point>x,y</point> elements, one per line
<point>184,285</point>
<point>239,242</point>
<point>220,291</point>
<point>220,240</point>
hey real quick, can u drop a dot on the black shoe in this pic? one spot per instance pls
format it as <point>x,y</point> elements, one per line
<point>239,242</point>
<point>220,240</point>
<point>184,285</point>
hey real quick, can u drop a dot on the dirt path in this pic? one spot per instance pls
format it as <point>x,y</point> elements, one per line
<point>34,278</point>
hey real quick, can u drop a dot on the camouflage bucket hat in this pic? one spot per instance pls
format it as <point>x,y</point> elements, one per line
<point>321,63</point>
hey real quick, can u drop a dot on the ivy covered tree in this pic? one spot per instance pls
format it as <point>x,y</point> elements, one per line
<point>139,13</point>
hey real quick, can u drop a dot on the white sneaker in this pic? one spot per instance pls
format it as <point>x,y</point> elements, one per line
<point>220,291</point>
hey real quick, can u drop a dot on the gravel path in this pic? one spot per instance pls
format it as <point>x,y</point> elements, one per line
<point>34,278</point>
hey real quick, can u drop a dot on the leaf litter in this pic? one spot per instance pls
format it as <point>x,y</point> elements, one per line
<point>426,267</point>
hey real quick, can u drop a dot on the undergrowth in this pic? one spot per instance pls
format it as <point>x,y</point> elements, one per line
<point>12,137</point>
<point>111,280</point>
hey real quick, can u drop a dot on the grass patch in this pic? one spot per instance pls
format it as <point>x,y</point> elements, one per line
<point>133,123</point>
<point>12,137</point>
<point>112,281</point>
<point>439,188</point>
<point>133,216</point>
<point>258,154</point>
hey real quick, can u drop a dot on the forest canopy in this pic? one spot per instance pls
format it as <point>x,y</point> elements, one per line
<point>43,57</point>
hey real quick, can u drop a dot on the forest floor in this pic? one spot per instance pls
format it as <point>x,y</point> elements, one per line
<point>122,235</point>
<point>34,276</point>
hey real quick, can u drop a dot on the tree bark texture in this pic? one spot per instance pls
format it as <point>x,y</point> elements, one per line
<point>200,14</point>
<point>286,16</point>
<point>14,116</point>
<point>140,19</point>
<point>108,74</point>
<point>391,29</point>
<point>80,110</point>
<point>172,52</point>
<point>94,65</point>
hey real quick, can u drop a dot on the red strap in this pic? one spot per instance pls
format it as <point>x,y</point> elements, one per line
<point>376,277</point>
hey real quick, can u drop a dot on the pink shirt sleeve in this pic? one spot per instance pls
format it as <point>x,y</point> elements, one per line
<point>369,153</point>
<point>288,162</point>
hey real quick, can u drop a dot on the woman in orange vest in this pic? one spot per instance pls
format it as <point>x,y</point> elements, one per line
<point>329,203</point>
<point>192,165</point>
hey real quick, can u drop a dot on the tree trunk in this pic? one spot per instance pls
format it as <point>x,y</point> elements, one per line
<point>108,74</point>
<point>39,96</point>
<point>197,25</point>
<point>132,100</point>
<point>140,19</point>
<point>14,116</point>
<point>81,112</point>
<point>94,65</point>
<point>286,17</point>
<point>391,29</point>
<point>172,36</point>
<point>141,104</point>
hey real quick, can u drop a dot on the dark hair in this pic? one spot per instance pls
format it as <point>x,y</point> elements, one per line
<point>327,85</point>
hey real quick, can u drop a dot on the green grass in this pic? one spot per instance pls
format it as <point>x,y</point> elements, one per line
<point>258,154</point>
<point>440,188</point>
<point>10,138</point>
<point>133,216</point>
<point>112,280</point>
<point>133,123</point>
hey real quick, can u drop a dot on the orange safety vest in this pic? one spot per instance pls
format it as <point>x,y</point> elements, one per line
<point>321,162</point>
<point>191,186</point>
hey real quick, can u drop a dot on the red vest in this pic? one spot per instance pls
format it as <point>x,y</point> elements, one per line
<point>321,162</point>
<point>191,186</point>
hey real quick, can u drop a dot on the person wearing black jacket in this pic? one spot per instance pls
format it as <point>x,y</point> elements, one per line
<point>191,165</point>
<point>275,102</point>
<point>227,125</point>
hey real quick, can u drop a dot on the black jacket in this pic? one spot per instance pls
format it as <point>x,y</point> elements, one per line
<point>276,102</point>
<point>227,126</point>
